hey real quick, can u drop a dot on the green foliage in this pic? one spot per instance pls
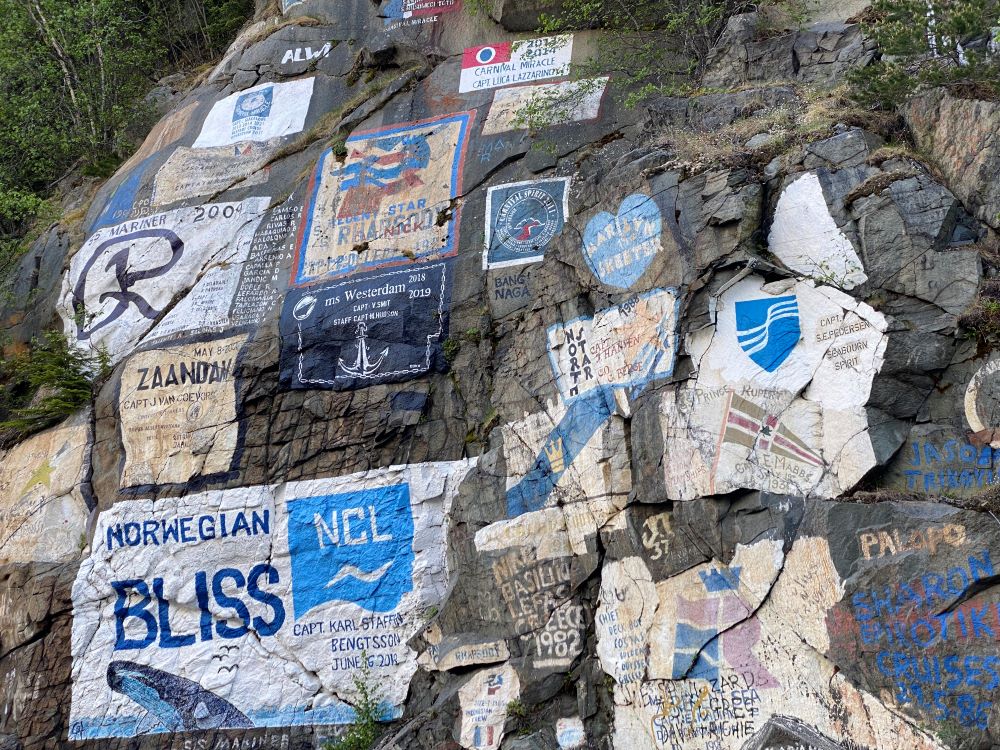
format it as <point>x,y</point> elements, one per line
<point>47,384</point>
<point>339,147</point>
<point>222,20</point>
<point>640,27</point>
<point>982,320</point>
<point>929,43</point>
<point>517,709</point>
<point>17,209</point>
<point>72,76</point>
<point>551,106</point>
<point>73,80</point>
<point>451,348</point>
<point>648,48</point>
<point>650,44</point>
<point>362,734</point>
<point>23,218</point>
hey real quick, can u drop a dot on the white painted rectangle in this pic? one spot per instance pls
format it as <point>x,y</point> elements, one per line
<point>493,65</point>
<point>270,110</point>
<point>252,607</point>
<point>128,277</point>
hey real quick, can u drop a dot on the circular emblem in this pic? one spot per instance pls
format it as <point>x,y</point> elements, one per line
<point>982,401</point>
<point>251,104</point>
<point>194,412</point>
<point>527,221</point>
<point>486,55</point>
<point>304,307</point>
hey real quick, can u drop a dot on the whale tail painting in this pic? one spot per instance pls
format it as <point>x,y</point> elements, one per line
<point>178,704</point>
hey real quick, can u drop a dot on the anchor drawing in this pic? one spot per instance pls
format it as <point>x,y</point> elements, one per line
<point>363,366</point>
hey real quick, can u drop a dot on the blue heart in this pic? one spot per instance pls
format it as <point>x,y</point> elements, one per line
<point>620,248</point>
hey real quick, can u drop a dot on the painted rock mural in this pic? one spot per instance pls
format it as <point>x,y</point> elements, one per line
<point>509,432</point>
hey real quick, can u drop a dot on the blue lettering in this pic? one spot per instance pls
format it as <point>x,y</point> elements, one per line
<point>170,530</point>
<point>205,618</point>
<point>980,628</point>
<point>870,632</point>
<point>942,621</point>
<point>129,528</point>
<point>932,587</point>
<point>990,667</point>
<point>939,703</point>
<point>914,634</point>
<point>900,663</point>
<point>115,534</point>
<point>862,611</point>
<point>908,595</point>
<point>883,604</point>
<point>981,568</point>
<point>167,638</point>
<point>951,666</point>
<point>240,525</point>
<point>986,457</point>
<point>224,600</point>
<point>962,576</point>
<point>209,532</point>
<point>262,524</point>
<point>263,627</point>
<point>972,670</point>
<point>961,623</point>
<point>883,666</point>
<point>949,450</point>
<point>123,611</point>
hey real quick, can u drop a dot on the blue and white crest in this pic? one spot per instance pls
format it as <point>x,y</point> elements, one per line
<point>352,547</point>
<point>768,329</point>
<point>250,112</point>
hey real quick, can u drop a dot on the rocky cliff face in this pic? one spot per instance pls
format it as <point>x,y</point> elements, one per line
<point>563,437</point>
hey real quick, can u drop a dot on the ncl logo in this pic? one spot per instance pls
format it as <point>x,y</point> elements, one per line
<point>353,547</point>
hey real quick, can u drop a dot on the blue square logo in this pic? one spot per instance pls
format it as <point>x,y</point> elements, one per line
<point>254,104</point>
<point>352,547</point>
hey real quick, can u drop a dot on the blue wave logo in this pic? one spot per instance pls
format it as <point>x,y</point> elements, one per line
<point>768,329</point>
<point>352,547</point>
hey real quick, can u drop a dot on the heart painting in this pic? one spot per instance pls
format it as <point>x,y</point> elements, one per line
<point>620,248</point>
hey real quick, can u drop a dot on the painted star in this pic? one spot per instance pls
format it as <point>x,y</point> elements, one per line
<point>42,475</point>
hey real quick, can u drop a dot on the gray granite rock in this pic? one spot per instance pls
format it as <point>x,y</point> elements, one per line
<point>560,593</point>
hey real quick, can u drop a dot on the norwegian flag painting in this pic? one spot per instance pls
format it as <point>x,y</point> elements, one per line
<point>750,425</point>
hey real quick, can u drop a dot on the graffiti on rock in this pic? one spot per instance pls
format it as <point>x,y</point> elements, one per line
<point>177,408</point>
<point>490,66</point>
<point>260,113</point>
<point>124,279</point>
<point>563,103</point>
<point>209,591</point>
<point>522,218</point>
<point>619,248</point>
<point>387,326</point>
<point>388,203</point>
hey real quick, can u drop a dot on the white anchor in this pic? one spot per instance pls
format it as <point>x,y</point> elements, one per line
<point>363,367</point>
